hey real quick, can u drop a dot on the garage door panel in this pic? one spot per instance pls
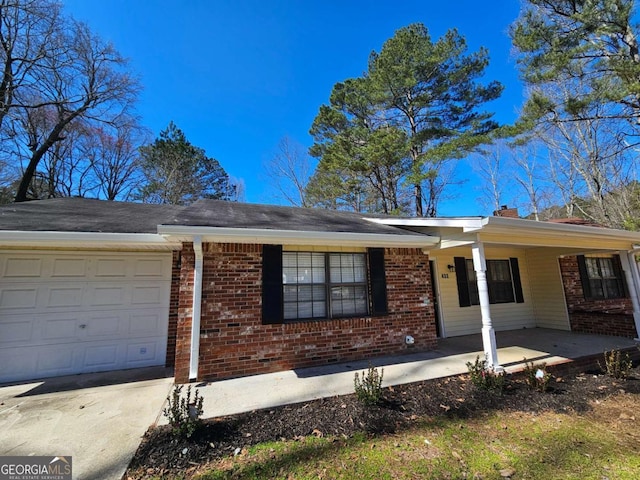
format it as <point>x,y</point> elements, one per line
<point>18,267</point>
<point>64,296</point>
<point>107,295</point>
<point>149,268</point>
<point>63,329</point>
<point>15,329</point>
<point>146,295</point>
<point>18,364</point>
<point>76,312</point>
<point>54,360</point>
<point>111,267</point>
<point>107,324</point>
<point>68,267</point>
<point>104,356</point>
<point>144,323</point>
<point>18,298</point>
<point>142,352</point>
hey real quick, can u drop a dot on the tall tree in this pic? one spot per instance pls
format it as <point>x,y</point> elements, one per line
<point>423,94</point>
<point>54,72</point>
<point>27,32</point>
<point>590,46</point>
<point>114,157</point>
<point>489,163</point>
<point>288,172</point>
<point>581,64</point>
<point>176,172</point>
<point>432,93</point>
<point>362,157</point>
<point>63,170</point>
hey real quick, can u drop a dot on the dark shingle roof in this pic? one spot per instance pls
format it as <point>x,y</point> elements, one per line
<point>216,213</point>
<point>85,215</point>
<point>89,215</point>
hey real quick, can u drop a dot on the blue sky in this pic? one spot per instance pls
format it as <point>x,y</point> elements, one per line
<point>238,75</point>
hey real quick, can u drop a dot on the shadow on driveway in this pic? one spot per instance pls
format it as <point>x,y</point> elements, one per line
<point>98,419</point>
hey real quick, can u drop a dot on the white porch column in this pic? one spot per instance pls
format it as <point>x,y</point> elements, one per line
<point>196,306</point>
<point>630,268</point>
<point>488,333</point>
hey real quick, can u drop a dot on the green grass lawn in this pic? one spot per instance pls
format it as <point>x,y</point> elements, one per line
<point>601,444</point>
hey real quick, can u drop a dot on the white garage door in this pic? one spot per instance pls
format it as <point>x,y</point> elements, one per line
<point>76,312</point>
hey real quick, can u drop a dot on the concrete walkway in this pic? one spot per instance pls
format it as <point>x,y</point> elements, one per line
<point>239,395</point>
<point>98,419</point>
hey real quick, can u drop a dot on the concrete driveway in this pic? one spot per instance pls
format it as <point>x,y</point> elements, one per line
<point>98,419</point>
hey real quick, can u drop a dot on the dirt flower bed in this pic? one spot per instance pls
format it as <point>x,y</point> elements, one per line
<point>162,454</point>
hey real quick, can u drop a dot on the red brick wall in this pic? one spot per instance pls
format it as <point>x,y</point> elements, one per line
<point>234,342</point>
<point>174,298</point>
<point>185,303</point>
<point>602,317</point>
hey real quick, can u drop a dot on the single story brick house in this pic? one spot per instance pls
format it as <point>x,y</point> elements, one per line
<point>222,289</point>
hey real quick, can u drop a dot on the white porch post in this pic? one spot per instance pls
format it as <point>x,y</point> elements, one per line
<point>196,306</point>
<point>488,333</point>
<point>630,268</point>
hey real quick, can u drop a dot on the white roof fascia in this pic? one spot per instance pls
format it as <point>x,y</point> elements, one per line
<point>462,222</point>
<point>505,224</point>
<point>295,237</point>
<point>493,224</point>
<point>14,238</point>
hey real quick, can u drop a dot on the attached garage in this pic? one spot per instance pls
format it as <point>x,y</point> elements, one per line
<point>75,312</point>
<point>85,286</point>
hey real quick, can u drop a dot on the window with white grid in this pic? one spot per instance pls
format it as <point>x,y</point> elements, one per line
<point>324,285</point>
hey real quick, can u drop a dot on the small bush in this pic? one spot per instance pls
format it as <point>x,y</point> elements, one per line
<point>184,413</point>
<point>616,365</point>
<point>369,388</point>
<point>536,376</point>
<point>484,377</point>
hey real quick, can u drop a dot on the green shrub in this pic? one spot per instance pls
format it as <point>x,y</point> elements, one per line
<point>184,413</point>
<point>536,376</point>
<point>484,377</point>
<point>616,365</point>
<point>369,388</point>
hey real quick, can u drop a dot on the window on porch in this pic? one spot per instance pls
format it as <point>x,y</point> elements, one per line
<point>602,277</point>
<point>503,280</point>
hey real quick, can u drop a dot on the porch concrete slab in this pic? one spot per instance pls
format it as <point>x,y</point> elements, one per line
<point>98,419</point>
<point>227,397</point>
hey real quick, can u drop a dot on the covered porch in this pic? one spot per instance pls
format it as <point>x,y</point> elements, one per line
<point>492,274</point>
<point>537,345</point>
<point>227,397</point>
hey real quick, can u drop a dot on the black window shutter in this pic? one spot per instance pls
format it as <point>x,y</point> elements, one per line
<point>378,281</point>
<point>462,280</point>
<point>584,277</point>
<point>517,283</point>
<point>620,276</point>
<point>272,296</point>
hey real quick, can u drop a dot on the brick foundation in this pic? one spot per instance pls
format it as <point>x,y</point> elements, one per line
<point>602,317</point>
<point>234,342</point>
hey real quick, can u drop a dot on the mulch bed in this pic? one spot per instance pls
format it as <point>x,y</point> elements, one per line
<point>161,453</point>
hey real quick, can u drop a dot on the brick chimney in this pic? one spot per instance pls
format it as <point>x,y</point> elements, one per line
<point>506,212</point>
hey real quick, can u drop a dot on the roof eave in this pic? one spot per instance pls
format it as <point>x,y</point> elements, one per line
<point>499,224</point>
<point>53,239</point>
<point>507,225</point>
<point>294,237</point>
<point>461,222</point>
